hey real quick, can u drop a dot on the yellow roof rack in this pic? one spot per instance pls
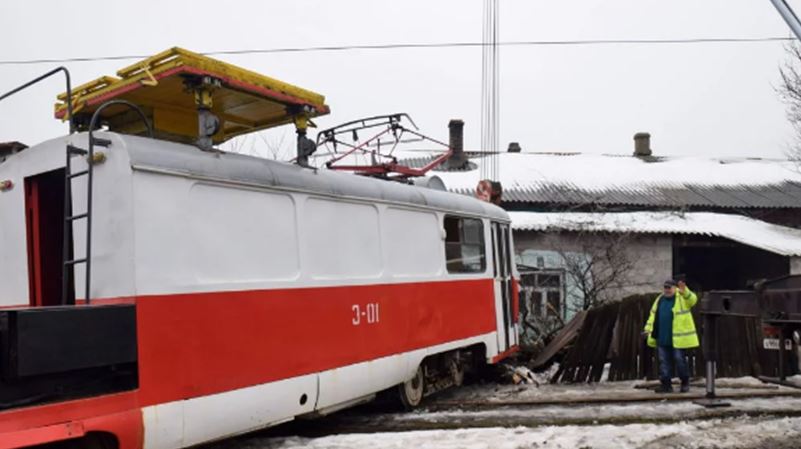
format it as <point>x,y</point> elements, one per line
<point>88,88</point>
<point>172,86</point>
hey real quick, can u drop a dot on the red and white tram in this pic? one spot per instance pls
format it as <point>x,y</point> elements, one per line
<point>230,293</point>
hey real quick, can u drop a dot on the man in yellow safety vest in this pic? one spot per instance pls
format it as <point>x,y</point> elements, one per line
<point>670,329</point>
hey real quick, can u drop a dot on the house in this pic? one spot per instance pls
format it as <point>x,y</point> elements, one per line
<point>608,226</point>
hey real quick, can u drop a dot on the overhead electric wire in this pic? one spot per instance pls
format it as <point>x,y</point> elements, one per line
<point>490,95</point>
<point>402,46</point>
<point>484,83</point>
<point>490,91</point>
<point>496,108</point>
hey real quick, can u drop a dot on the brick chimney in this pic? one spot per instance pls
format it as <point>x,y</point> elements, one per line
<point>642,145</point>
<point>9,148</point>
<point>458,160</point>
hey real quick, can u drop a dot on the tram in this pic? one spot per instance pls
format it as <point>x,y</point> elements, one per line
<point>158,293</point>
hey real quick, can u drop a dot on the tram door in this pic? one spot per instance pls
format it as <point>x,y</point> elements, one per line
<point>44,217</point>
<point>502,270</point>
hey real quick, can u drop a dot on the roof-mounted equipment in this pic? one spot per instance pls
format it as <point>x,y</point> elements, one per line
<point>192,98</point>
<point>383,162</point>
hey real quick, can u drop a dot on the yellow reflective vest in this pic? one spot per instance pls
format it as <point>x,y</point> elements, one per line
<point>684,335</point>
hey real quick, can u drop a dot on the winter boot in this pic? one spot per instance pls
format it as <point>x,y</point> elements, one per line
<point>685,385</point>
<point>664,387</point>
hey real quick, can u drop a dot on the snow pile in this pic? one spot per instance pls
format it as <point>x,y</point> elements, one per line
<point>544,377</point>
<point>796,380</point>
<point>743,382</point>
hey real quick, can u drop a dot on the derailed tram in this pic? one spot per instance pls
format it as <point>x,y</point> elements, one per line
<point>158,293</point>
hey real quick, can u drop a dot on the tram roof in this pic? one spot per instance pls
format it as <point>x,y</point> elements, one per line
<point>179,159</point>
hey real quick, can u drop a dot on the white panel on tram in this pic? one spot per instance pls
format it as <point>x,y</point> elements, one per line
<point>242,235</point>
<point>341,240</point>
<point>413,243</point>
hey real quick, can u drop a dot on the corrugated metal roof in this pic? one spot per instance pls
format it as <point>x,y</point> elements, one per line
<point>748,231</point>
<point>573,179</point>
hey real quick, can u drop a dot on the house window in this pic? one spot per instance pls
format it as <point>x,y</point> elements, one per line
<point>464,245</point>
<point>554,303</point>
<point>549,281</point>
<point>535,304</point>
<point>542,293</point>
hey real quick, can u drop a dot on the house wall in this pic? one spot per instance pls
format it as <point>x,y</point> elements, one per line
<point>651,258</point>
<point>795,268</point>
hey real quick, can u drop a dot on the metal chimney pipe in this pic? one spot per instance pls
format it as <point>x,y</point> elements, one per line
<point>642,145</point>
<point>458,160</point>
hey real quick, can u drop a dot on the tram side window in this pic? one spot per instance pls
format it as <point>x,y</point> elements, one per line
<point>464,245</point>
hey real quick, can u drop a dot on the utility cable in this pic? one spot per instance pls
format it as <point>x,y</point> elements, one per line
<point>432,45</point>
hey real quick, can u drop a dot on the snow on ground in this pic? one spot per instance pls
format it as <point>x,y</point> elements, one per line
<point>639,411</point>
<point>554,392</point>
<point>795,379</point>
<point>545,376</point>
<point>729,433</point>
<point>749,423</point>
<point>741,382</point>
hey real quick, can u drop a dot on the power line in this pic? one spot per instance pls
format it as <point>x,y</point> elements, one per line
<point>490,80</point>
<point>402,46</point>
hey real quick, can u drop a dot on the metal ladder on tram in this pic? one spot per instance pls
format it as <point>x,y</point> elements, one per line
<point>70,218</point>
<point>70,261</point>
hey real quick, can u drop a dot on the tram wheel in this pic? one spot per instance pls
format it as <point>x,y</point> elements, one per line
<point>411,391</point>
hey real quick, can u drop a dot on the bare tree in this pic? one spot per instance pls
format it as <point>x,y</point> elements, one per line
<point>538,328</point>
<point>237,144</point>
<point>271,148</point>
<point>596,265</point>
<point>790,93</point>
<point>275,147</point>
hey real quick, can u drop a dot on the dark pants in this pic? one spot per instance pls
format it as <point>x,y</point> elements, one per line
<point>668,356</point>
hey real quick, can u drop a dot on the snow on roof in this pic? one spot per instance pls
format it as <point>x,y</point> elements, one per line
<point>619,179</point>
<point>748,231</point>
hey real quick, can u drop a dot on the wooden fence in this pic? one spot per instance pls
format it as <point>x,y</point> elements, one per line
<point>612,333</point>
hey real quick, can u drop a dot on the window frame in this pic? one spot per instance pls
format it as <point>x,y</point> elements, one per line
<point>481,244</point>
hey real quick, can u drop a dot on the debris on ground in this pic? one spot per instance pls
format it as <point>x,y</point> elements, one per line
<point>561,341</point>
<point>523,375</point>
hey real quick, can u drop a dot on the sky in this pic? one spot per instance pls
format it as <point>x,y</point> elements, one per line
<point>700,99</point>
